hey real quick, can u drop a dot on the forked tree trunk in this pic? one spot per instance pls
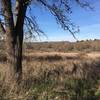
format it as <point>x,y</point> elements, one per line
<point>14,39</point>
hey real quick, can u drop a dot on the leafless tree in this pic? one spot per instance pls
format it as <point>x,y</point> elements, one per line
<point>13,19</point>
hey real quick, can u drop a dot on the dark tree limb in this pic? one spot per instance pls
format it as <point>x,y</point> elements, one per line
<point>2,29</point>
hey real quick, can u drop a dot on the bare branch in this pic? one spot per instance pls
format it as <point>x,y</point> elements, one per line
<point>61,9</point>
<point>32,27</point>
<point>84,4</point>
<point>2,29</point>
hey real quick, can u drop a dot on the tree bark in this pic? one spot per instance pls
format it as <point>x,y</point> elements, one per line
<point>10,37</point>
<point>19,38</point>
<point>14,39</point>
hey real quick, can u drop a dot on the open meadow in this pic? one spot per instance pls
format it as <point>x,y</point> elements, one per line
<point>49,49</point>
<point>54,75</point>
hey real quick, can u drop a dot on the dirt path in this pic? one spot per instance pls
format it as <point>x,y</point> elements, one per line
<point>91,55</point>
<point>94,55</point>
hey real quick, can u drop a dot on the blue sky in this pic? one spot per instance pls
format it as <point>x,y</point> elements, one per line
<point>87,20</point>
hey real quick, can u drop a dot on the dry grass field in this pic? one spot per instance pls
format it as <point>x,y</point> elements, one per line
<point>54,75</point>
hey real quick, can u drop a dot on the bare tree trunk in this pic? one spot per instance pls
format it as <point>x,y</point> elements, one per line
<point>10,37</point>
<point>14,39</point>
<point>14,55</point>
<point>19,38</point>
<point>17,56</point>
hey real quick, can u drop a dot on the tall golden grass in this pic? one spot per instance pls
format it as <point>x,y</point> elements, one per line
<point>51,73</point>
<point>54,77</point>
